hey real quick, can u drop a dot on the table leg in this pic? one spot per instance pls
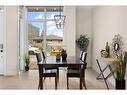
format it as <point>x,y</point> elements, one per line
<point>102,74</point>
<point>112,72</point>
<point>41,83</point>
<point>99,76</point>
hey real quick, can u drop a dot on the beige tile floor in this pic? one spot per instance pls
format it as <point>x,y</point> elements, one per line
<point>29,80</point>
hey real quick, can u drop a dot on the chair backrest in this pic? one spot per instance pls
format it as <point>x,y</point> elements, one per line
<point>81,52</point>
<point>43,54</point>
<point>39,60</point>
<point>83,58</point>
<point>38,56</point>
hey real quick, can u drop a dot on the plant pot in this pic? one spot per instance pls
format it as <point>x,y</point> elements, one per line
<point>27,68</point>
<point>120,84</point>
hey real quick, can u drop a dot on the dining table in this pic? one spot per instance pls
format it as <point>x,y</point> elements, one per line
<point>71,61</point>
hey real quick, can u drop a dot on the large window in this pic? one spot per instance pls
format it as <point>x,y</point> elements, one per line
<point>35,15</point>
<point>50,15</point>
<point>42,31</point>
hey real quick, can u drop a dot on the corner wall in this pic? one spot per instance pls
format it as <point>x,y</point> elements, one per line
<point>84,27</point>
<point>107,22</point>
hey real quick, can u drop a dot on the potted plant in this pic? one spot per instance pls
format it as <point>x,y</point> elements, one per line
<point>83,42</point>
<point>120,72</point>
<point>26,60</point>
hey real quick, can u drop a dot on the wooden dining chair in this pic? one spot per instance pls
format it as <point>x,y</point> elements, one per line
<point>75,72</point>
<point>43,72</point>
<point>80,59</point>
<point>43,55</point>
<point>81,53</point>
<point>50,68</point>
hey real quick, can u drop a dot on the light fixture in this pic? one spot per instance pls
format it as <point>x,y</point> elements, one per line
<point>59,20</point>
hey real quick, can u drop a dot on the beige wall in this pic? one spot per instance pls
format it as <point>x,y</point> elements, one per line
<point>1,41</point>
<point>11,64</point>
<point>84,26</point>
<point>70,30</point>
<point>107,22</point>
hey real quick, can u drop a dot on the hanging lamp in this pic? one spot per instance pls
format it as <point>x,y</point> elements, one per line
<point>59,20</point>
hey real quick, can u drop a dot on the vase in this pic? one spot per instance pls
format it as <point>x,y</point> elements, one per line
<point>57,59</point>
<point>64,57</point>
<point>107,48</point>
<point>120,84</point>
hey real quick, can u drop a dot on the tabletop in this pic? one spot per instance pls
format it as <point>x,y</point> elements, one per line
<point>71,61</point>
<point>109,60</point>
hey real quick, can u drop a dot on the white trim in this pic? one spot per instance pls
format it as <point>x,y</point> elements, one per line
<point>23,38</point>
<point>18,38</point>
<point>45,30</point>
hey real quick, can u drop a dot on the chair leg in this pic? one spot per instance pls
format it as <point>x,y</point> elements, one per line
<point>57,75</point>
<point>56,82</point>
<point>67,82</point>
<point>44,78</point>
<point>39,85</point>
<point>80,85</point>
<point>84,83</point>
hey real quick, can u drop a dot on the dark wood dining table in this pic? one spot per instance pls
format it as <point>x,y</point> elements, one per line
<point>71,62</point>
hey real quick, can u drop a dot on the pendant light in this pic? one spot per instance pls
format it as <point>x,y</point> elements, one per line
<point>59,20</point>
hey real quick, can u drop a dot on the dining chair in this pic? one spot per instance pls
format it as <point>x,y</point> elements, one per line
<point>76,72</point>
<point>43,72</point>
<point>80,59</point>
<point>50,68</point>
<point>43,55</point>
<point>81,52</point>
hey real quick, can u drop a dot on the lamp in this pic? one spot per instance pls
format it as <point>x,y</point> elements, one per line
<point>59,20</point>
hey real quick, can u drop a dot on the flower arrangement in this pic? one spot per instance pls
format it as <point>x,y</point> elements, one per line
<point>83,42</point>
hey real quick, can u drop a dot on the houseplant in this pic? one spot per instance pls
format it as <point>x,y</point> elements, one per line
<point>83,42</point>
<point>120,72</point>
<point>26,60</point>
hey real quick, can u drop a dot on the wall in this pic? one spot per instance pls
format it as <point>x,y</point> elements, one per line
<point>1,40</point>
<point>84,26</point>
<point>11,64</point>
<point>70,30</point>
<point>107,22</point>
